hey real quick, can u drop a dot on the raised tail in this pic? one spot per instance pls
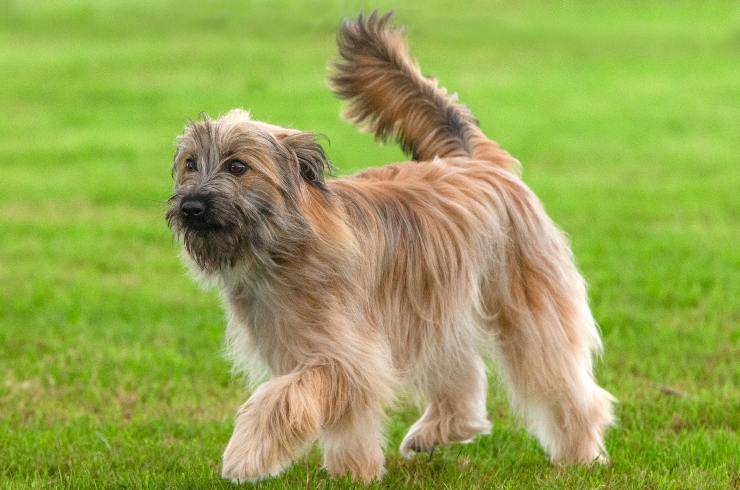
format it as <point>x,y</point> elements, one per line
<point>389,96</point>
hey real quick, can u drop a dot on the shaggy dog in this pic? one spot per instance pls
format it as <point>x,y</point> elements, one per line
<point>346,289</point>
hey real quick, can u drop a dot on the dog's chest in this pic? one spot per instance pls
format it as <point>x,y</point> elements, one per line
<point>261,328</point>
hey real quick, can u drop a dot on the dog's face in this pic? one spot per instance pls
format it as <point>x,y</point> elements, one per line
<point>239,185</point>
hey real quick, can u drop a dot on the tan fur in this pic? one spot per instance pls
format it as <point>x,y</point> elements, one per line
<point>409,274</point>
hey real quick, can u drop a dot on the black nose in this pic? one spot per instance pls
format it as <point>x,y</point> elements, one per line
<point>193,208</point>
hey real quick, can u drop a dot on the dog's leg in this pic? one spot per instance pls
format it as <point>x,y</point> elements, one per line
<point>456,404</point>
<point>354,445</point>
<point>286,414</point>
<point>544,334</point>
<point>550,382</point>
<point>281,418</point>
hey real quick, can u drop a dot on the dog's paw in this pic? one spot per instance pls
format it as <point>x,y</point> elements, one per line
<point>601,460</point>
<point>416,443</point>
<point>250,461</point>
<point>425,437</point>
<point>364,466</point>
<point>595,457</point>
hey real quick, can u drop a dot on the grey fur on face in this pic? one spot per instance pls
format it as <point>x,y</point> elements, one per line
<point>255,214</point>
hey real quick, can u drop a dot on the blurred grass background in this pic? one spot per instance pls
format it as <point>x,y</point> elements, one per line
<point>625,116</point>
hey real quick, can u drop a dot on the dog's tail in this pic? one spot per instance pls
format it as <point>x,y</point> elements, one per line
<point>389,96</point>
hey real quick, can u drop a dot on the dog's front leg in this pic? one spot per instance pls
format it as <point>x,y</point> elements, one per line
<point>278,422</point>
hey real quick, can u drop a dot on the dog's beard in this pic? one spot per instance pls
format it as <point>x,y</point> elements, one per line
<point>236,227</point>
<point>213,249</point>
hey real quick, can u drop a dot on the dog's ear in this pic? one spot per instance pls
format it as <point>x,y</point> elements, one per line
<point>313,162</point>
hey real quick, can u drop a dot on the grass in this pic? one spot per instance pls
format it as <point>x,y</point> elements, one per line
<point>625,117</point>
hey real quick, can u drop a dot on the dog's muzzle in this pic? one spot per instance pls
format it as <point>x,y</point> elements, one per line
<point>196,213</point>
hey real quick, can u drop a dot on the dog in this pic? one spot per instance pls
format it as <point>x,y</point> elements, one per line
<point>409,275</point>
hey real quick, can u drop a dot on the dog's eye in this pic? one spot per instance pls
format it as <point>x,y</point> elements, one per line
<point>236,167</point>
<point>191,165</point>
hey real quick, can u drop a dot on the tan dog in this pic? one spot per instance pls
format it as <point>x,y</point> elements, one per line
<point>347,289</point>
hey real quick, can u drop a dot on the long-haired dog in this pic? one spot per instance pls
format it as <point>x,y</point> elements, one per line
<point>346,289</point>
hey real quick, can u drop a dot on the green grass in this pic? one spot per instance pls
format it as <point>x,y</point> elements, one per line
<point>624,115</point>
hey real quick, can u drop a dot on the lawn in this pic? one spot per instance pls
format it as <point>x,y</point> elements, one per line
<point>624,115</point>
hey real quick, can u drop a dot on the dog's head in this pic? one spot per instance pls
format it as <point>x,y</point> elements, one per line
<point>239,188</point>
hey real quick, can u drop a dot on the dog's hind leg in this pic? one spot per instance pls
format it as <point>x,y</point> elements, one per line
<point>536,306</point>
<point>552,387</point>
<point>455,390</point>
<point>544,355</point>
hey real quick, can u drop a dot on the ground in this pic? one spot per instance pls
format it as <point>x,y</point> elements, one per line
<point>624,116</point>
